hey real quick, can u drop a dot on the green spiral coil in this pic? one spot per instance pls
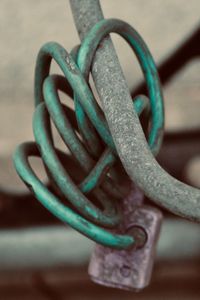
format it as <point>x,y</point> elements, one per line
<point>93,147</point>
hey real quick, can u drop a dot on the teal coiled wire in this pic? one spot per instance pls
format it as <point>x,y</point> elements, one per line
<point>101,178</point>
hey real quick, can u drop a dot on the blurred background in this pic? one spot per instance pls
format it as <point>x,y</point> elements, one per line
<point>51,263</point>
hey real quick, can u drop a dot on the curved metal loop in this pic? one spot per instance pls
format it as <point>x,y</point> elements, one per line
<point>53,204</point>
<point>70,138</point>
<point>86,55</point>
<point>161,187</point>
<point>99,181</point>
<point>61,56</point>
<point>76,79</point>
<point>60,176</point>
<point>141,166</point>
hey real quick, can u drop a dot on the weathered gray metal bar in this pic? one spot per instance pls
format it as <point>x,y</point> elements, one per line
<point>54,246</point>
<point>125,127</point>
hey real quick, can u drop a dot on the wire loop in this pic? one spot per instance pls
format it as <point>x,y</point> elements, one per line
<point>95,152</point>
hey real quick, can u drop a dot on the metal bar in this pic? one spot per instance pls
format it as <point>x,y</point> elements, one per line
<point>54,246</point>
<point>125,127</point>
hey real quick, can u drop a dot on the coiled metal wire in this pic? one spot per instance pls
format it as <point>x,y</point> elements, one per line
<point>95,151</point>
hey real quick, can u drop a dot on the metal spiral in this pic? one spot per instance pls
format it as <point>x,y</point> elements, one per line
<point>95,151</point>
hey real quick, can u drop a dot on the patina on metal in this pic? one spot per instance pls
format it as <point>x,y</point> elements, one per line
<point>100,178</point>
<point>94,203</point>
<point>71,201</point>
<point>124,125</point>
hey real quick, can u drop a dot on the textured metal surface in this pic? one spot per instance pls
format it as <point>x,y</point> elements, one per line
<point>125,127</point>
<point>76,68</point>
<point>190,244</point>
<point>103,182</point>
<point>178,150</point>
<point>129,269</point>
